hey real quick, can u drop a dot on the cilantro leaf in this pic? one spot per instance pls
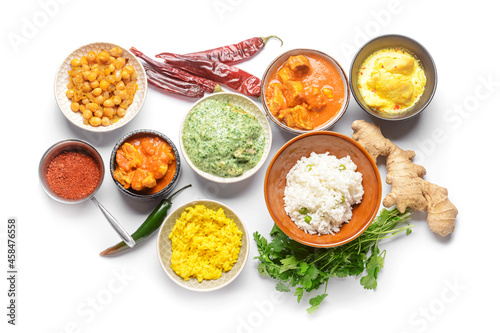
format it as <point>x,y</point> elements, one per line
<point>280,286</point>
<point>304,266</point>
<point>294,264</point>
<point>299,292</point>
<point>315,302</point>
<point>290,262</point>
<point>373,265</point>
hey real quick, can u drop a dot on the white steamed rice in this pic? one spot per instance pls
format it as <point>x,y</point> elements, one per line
<point>327,187</point>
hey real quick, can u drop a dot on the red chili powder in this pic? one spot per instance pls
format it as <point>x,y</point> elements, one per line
<point>73,175</point>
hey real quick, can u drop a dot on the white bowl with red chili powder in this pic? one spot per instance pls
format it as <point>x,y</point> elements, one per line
<point>71,171</point>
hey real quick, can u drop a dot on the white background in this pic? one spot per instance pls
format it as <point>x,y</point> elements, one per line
<point>429,283</point>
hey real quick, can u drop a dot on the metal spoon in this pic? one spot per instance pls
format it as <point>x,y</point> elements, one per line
<point>87,148</point>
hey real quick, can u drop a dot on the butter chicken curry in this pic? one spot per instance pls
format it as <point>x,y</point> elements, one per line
<point>305,92</point>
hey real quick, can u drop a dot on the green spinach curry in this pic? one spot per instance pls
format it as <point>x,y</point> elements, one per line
<point>222,139</point>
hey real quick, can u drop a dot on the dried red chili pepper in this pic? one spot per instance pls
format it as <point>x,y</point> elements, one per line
<point>234,53</point>
<point>231,76</point>
<point>206,84</point>
<point>173,85</point>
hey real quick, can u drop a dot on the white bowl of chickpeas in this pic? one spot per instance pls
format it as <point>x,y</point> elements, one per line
<point>100,87</point>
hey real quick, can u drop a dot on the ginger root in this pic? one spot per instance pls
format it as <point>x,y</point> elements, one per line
<point>408,189</point>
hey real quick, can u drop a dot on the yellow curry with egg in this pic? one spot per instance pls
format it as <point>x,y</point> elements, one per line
<point>391,80</point>
<point>305,92</point>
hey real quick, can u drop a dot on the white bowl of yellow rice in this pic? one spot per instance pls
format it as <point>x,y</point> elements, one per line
<point>203,245</point>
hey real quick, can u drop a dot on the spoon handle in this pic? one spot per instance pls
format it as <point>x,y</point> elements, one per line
<point>115,224</point>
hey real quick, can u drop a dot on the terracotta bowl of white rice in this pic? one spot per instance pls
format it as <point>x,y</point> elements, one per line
<point>323,189</point>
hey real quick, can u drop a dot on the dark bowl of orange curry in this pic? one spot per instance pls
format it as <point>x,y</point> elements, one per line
<point>305,90</point>
<point>145,164</point>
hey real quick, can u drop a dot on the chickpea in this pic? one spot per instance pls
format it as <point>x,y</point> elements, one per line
<point>120,86</point>
<point>91,57</point>
<point>70,93</point>
<point>125,74</point>
<point>104,85</point>
<point>129,69</point>
<point>86,87</point>
<point>109,112</point>
<point>92,107</point>
<point>94,121</point>
<point>75,62</point>
<point>97,91</point>
<point>92,76</point>
<point>99,99</point>
<point>120,112</point>
<point>111,78</point>
<point>87,114</point>
<point>75,107</point>
<point>108,103</point>
<point>106,75</point>
<point>119,63</point>
<point>85,75</point>
<point>105,121</point>
<point>94,84</point>
<point>103,57</point>
<point>116,51</point>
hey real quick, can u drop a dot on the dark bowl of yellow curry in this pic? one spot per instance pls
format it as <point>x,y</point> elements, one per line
<point>145,164</point>
<point>393,77</point>
<point>305,90</point>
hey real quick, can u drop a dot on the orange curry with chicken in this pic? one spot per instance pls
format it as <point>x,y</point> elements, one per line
<point>145,163</point>
<point>305,92</point>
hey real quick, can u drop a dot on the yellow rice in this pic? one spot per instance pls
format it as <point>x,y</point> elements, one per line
<point>204,243</point>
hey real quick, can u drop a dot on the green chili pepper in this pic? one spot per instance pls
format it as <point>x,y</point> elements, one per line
<point>307,218</point>
<point>303,210</point>
<point>150,225</point>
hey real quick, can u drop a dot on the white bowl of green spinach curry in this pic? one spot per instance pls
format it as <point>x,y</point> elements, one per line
<point>225,137</point>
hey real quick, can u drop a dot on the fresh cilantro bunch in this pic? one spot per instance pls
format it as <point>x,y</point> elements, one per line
<point>307,268</point>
